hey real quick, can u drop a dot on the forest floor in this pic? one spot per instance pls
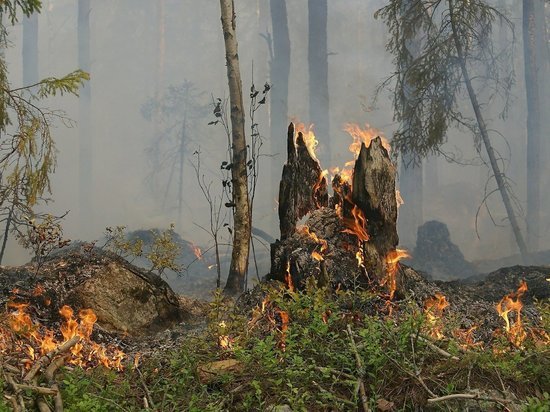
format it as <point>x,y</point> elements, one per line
<point>316,350</point>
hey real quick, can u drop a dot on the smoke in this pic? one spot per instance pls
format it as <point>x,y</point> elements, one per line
<point>124,55</point>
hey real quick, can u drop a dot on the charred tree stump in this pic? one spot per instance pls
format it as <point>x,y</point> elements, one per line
<point>346,238</point>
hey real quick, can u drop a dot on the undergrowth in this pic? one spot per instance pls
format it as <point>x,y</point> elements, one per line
<point>295,349</point>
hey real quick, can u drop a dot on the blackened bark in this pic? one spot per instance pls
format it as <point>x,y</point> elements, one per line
<point>303,187</point>
<point>318,76</point>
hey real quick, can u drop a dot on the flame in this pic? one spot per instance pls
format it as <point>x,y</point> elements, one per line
<point>365,135</point>
<point>512,303</point>
<point>466,337</point>
<point>392,264</point>
<point>283,329</point>
<point>399,198</point>
<point>196,251</point>
<point>433,307</point>
<point>288,278</point>
<point>309,137</point>
<point>20,321</point>
<point>85,353</point>
<point>317,255</point>
<point>357,225</point>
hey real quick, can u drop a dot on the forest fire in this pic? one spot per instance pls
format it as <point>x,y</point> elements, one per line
<point>433,308</point>
<point>85,353</point>
<point>512,303</point>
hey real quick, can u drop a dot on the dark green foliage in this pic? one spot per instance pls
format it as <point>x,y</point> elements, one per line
<point>428,85</point>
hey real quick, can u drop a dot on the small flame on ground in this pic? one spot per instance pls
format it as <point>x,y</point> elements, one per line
<point>466,338</point>
<point>433,307</point>
<point>512,303</point>
<point>392,264</point>
<point>283,329</point>
<point>196,251</point>
<point>21,323</point>
<point>288,278</point>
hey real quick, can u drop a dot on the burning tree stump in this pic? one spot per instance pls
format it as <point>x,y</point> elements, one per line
<point>347,239</point>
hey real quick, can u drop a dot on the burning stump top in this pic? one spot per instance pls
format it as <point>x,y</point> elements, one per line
<point>357,225</point>
<point>303,187</point>
<point>125,299</point>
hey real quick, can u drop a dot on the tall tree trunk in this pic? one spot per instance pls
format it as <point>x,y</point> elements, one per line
<point>84,123</point>
<point>533,48</point>
<point>241,210</point>
<point>181,163</point>
<point>410,176</point>
<point>279,74</point>
<point>30,49</point>
<point>410,213</point>
<point>499,176</point>
<point>318,77</point>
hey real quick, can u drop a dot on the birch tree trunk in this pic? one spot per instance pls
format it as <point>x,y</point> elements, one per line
<point>241,207</point>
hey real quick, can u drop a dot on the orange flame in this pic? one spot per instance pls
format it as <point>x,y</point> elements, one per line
<point>288,278</point>
<point>512,303</point>
<point>283,329</point>
<point>309,137</point>
<point>21,323</point>
<point>433,308</point>
<point>196,251</point>
<point>317,255</point>
<point>365,135</point>
<point>357,225</point>
<point>392,264</point>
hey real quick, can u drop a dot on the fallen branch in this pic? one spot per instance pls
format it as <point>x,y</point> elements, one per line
<point>49,375</point>
<point>146,389</point>
<point>437,348</point>
<point>359,363</point>
<point>47,358</point>
<point>472,396</point>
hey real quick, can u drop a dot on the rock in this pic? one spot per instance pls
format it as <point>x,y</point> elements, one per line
<point>437,255</point>
<point>126,299</point>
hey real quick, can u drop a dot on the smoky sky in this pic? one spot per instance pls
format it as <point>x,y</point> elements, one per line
<point>124,44</point>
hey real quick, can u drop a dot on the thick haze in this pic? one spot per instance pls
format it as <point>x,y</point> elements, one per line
<point>124,75</point>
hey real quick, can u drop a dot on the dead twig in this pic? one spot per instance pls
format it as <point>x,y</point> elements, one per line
<point>437,348</point>
<point>359,363</point>
<point>472,396</point>
<point>49,375</point>
<point>146,389</point>
<point>47,358</point>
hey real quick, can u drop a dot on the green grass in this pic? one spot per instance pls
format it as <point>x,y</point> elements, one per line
<point>312,365</point>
